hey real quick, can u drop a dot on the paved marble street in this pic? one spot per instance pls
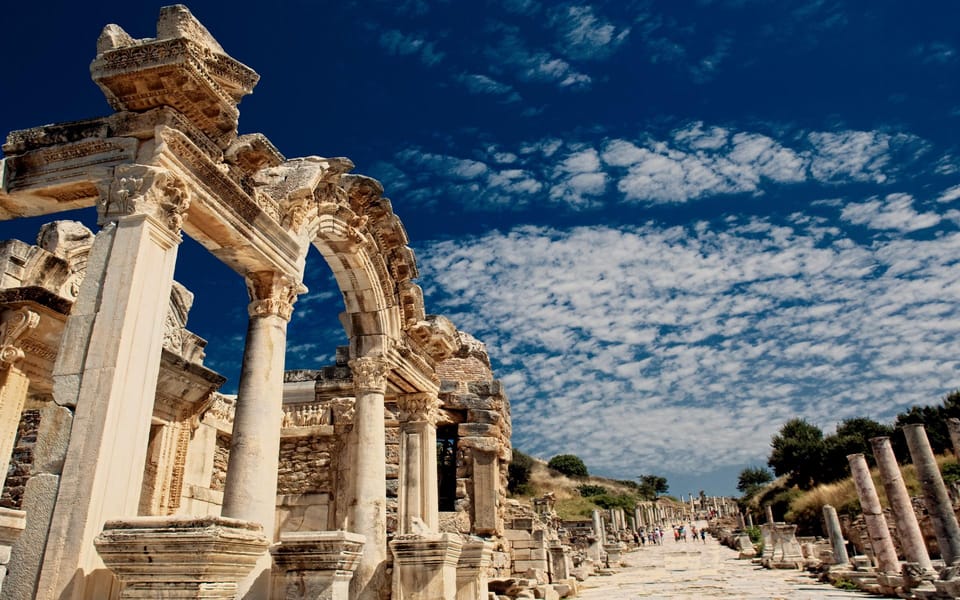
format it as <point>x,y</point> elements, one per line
<point>694,570</point>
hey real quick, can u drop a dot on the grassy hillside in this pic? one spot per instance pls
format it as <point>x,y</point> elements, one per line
<point>571,504</point>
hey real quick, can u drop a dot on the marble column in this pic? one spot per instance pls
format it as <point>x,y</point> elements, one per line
<point>880,540</point>
<point>908,529</point>
<point>769,511</point>
<point>367,511</point>
<point>250,490</point>
<point>107,368</point>
<point>418,462</point>
<point>835,533</point>
<point>935,495</point>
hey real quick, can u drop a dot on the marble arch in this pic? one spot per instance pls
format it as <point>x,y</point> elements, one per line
<point>129,393</point>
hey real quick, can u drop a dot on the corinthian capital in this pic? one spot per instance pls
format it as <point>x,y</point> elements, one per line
<point>142,189</point>
<point>418,407</point>
<point>370,373</point>
<point>272,293</point>
<point>15,324</point>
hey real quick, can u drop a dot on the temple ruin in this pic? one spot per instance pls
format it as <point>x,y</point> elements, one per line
<point>131,475</point>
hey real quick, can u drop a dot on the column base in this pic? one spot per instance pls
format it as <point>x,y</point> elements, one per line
<point>180,557</point>
<point>425,566</point>
<point>315,565</point>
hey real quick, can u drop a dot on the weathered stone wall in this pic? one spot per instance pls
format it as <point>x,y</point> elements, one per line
<point>221,457</point>
<point>305,464</point>
<point>22,460</point>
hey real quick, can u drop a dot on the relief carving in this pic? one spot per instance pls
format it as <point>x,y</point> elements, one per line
<point>422,406</point>
<point>15,325</point>
<point>272,294</point>
<point>142,189</point>
<point>370,373</point>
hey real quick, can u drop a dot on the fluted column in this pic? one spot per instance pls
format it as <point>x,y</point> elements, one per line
<point>418,461</point>
<point>935,495</point>
<point>250,491</point>
<point>908,529</point>
<point>107,368</point>
<point>367,509</point>
<point>880,540</point>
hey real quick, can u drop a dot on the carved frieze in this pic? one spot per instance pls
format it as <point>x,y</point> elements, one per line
<point>306,415</point>
<point>370,373</point>
<point>418,407</point>
<point>143,189</point>
<point>272,294</point>
<point>15,324</point>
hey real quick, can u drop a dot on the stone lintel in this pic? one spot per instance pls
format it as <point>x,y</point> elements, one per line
<point>427,551</point>
<point>12,523</point>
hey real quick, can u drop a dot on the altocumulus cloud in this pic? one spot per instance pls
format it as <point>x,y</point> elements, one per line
<point>690,163</point>
<point>639,341</point>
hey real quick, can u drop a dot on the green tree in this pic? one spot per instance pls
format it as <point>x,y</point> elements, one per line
<point>518,473</point>
<point>852,437</point>
<point>934,421</point>
<point>652,486</point>
<point>568,464</point>
<point>752,479</point>
<point>798,451</point>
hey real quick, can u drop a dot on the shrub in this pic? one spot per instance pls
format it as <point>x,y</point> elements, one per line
<point>586,490</point>
<point>518,473</point>
<point>608,501</point>
<point>568,464</point>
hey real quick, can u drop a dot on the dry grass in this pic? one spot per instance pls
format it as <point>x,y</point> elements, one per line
<point>570,505</point>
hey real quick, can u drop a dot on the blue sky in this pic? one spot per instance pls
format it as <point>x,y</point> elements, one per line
<point>675,224</point>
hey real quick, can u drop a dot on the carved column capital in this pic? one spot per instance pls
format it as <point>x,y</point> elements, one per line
<point>272,293</point>
<point>370,373</point>
<point>143,189</point>
<point>421,406</point>
<point>15,324</point>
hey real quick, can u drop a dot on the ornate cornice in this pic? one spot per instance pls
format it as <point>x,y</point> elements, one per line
<point>370,373</point>
<point>272,294</point>
<point>15,324</point>
<point>143,189</point>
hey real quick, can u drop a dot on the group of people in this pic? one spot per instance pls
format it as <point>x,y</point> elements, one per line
<point>680,533</point>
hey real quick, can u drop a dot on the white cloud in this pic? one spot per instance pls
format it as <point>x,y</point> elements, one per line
<point>481,84</point>
<point>893,212</point>
<point>950,194</point>
<point>857,155</point>
<point>402,44</point>
<point>735,327</point>
<point>584,35</point>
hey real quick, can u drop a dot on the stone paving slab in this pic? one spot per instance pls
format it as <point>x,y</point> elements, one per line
<point>694,570</point>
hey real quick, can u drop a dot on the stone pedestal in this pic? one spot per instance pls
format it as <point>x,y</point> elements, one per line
<point>180,557</point>
<point>880,541</point>
<point>614,554</point>
<point>785,551</point>
<point>425,567</point>
<point>475,556</point>
<point>12,523</point>
<point>935,495</point>
<point>315,565</point>
<point>560,564</point>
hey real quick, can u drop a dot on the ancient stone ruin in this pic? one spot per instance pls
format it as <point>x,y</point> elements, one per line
<point>131,475</point>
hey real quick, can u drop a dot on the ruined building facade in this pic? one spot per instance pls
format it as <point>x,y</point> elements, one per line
<point>131,475</point>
